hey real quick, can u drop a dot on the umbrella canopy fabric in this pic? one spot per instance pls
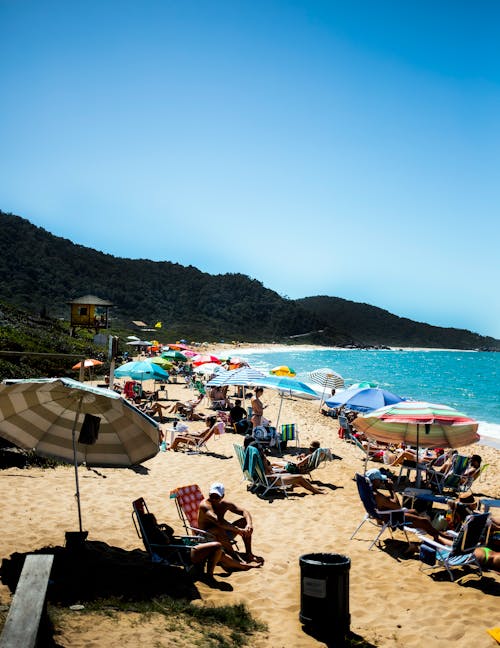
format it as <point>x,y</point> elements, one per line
<point>238,377</point>
<point>210,368</point>
<point>419,423</point>
<point>164,363</point>
<point>174,355</point>
<point>45,415</point>
<point>363,400</point>
<point>288,386</point>
<point>141,370</point>
<point>87,363</point>
<point>138,343</point>
<point>362,385</point>
<point>202,358</point>
<point>283,370</point>
<point>327,378</point>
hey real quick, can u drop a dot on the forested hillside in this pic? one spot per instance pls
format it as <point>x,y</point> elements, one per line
<point>42,272</point>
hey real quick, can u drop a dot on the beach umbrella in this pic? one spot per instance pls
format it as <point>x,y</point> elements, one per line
<point>74,422</point>
<point>87,363</point>
<point>189,353</point>
<point>141,370</point>
<point>286,387</point>
<point>245,376</point>
<point>418,424</point>
<point>327,378</point>
<point>179,346</point>
<point>283,370</point>
<point>139,343</point>
<point>202,358</point>
<point>363,400</point>
<point>210,368</point>
<point>235,362</point>
<point>164,363</point>
<point>177,356</point>
<point>362,385</point>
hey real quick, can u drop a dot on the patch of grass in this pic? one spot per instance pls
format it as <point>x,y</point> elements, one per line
<point>225,626</point>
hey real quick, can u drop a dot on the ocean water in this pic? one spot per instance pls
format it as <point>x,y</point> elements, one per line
<point>467,381</point>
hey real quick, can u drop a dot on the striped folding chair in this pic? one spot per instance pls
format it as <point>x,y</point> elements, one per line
<point>289,432</point>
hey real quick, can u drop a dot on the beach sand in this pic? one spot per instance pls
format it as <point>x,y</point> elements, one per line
<point>392,603</point>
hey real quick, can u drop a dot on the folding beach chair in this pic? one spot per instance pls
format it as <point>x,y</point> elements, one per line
<point>392,520</point>
<point>240,455</point>
<point>474,533</point>
<point>158,539</point>
<point>188,500</point>
<point>451,480</point>
<point>254,466</point>
<point>288,432</point>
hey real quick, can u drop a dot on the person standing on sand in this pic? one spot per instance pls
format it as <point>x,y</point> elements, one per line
<point>211,518</point>
<point>257,407</point>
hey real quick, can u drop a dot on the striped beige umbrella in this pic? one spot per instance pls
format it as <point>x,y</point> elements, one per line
<point>74,422</point>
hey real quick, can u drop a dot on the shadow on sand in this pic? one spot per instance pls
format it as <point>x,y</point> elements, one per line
<point>96,570</point>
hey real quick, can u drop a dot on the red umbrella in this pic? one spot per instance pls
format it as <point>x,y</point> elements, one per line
<point>202,358</point>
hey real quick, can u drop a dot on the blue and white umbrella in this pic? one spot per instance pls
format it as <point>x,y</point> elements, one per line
<point>238,377</point>
<point>286,386</point>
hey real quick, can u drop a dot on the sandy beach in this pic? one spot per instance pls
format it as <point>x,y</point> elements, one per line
<point>392,603</point>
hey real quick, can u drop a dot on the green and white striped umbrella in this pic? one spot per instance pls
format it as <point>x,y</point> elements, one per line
<point>46,415</point>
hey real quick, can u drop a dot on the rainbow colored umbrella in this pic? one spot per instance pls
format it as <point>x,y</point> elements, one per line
<point>418,424</point>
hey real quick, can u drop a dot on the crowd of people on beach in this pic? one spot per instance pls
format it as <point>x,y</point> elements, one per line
<point>247,421</point>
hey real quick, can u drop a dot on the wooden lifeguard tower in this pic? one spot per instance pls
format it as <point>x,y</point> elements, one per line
<point>89,312</point>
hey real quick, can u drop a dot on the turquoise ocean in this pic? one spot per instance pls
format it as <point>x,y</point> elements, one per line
<point>467,381</point>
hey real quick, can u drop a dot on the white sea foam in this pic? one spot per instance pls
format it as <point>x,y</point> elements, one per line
<point>489,433</point>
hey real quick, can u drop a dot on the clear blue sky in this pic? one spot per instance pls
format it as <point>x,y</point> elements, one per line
<point>338,148</point>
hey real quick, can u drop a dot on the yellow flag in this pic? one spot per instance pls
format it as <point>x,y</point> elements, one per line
<point>158,325</point>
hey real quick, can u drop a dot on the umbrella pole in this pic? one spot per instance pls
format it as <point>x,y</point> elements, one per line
<point>73,436</point>
<point>367,455</point>
<point>322,398</point>
<point>418,465</point>
<point>279,412</point>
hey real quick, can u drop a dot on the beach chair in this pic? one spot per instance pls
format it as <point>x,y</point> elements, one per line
<point>451,480</point>
<point>318,459</point>
<point>255,468</point>
<point>288,432</point>
<point>383,520</point>
<point>188,500</point>
<point>240,455</point>
<point>224,417</point>
<point>474,533</point>
<point>198,442</point>
<point>159,540</point>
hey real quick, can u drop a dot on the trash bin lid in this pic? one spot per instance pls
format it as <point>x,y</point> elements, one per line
<point>325,559</point>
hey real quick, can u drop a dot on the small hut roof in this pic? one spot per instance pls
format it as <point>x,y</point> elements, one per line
<point>91,299</point>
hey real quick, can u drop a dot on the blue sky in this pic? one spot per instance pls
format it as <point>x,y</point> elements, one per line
<point>347,149</point>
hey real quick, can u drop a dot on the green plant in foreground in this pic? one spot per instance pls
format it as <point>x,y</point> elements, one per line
<point>235,619</point>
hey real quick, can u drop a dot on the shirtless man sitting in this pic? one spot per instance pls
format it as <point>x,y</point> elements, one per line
<point>211,518</point>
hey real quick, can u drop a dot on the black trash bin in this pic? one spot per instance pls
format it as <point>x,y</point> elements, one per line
<point>324,593</point>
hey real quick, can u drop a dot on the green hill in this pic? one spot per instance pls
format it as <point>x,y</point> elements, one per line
<point>41,272</point>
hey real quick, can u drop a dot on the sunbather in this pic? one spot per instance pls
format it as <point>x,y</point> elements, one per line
<point>189,437</point>
<point>287,479</point>
<point>388,503</point>
<point>210,552</point>
<point>187,409</point>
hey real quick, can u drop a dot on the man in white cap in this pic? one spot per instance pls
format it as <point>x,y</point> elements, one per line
<point>211,518</point>
<point>390,502</point>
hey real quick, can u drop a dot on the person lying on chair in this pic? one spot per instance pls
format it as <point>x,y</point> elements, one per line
<point>210,552</point>
<point>186,437</point>
<point>187,409</point>
<point>388,503</point>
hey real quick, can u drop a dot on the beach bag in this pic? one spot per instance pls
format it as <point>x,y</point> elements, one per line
<point>260,433</point>
<point>89,430</point>
<point>427,554</point>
